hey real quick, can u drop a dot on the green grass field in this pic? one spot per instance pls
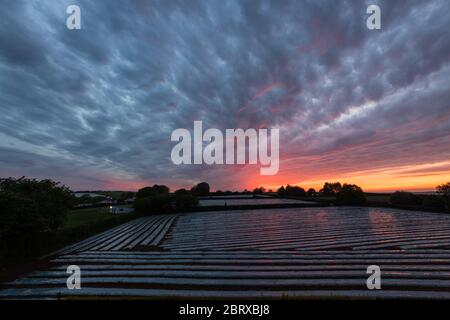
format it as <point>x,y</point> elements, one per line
<point>80,224</point>
<point>90,216</point>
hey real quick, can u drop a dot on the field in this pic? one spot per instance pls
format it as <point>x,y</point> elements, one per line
<point>274,253</point>
<point>83,217</point>
<point>371,197</point>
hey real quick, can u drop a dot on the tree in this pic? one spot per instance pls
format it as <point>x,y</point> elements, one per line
<point>29,207</point>
<point>331,189</point>
<point>151,200</point>
<point>154,204</point>
<point>281,191</point>
<point>350,194</point>
<point>259,190</point>
<point>311,192</point>
<point>182,191</point>
<point>185,200</point>
<point>295,191</point>
<point>444,189</point>
<point>158,200</point>
<point>201,189</point>
<point>151,191</point>
<point>46,201</point>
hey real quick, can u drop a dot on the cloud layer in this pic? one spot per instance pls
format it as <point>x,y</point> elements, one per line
<point>95,108</point>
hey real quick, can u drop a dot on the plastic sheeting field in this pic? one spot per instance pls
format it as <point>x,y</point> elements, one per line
<point>301,252</point>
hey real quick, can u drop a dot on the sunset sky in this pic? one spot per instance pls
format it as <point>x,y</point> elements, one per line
<point>95,108</point>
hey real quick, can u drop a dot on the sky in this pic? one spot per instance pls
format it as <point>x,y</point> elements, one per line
<point>95,108</point>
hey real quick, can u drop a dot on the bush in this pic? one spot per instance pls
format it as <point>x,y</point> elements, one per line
<point>289,190</point>
<point>295,191</point>
<point>29,207</point>
<point>434,203</point>
<point>185,201</point>
<point>281,191</point>
<point>201,189</point>
<point>259,190</point>
<point>444,189</point>
<point>402,198</point>
<point>156,199</point>
<point>155,204</point>
<point>151,191</point>
<point>331,189</point>
<point>350,194</point>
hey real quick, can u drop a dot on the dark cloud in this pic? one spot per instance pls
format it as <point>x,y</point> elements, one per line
<point>19,44</point>
<point>104,99</point>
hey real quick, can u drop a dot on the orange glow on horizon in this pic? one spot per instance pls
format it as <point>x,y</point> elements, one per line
<point>409,178</point>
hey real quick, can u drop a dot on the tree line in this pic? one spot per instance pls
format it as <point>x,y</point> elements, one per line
<point>439,202</point>
<point>158,199</point>
<point>345,194</point>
